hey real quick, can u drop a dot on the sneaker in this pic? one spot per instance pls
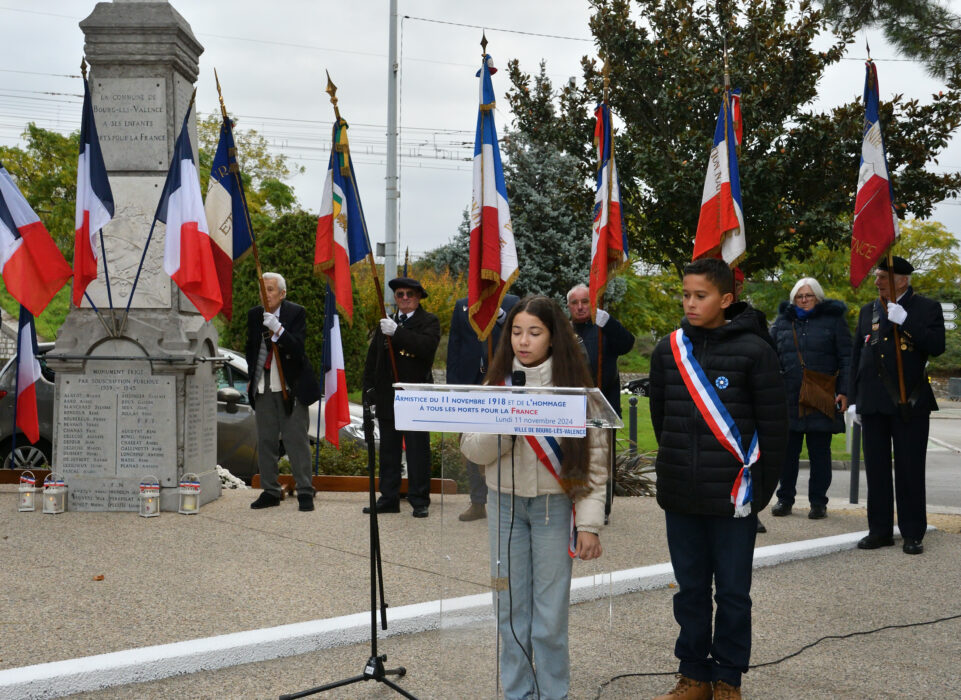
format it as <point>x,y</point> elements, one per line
<point>723,691</point>
<point>475,511</point>
<point>781,509</point>
<point>688,689</point>
<point>305,501</point>
<point>265,500</point>
<point>817,512</point>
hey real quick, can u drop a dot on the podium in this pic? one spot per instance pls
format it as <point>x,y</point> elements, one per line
<point>451,409</point>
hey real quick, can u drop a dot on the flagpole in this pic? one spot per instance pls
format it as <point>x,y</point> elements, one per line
<point>103,249</point>
<point>16,392</point>
<point>332,91</point>
<point>97,311</point>
<point>483,198</point>
<point>610,187</point>
<point>235,169</point>
<point>143,256</point>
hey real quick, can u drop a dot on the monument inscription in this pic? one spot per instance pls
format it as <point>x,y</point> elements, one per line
<point>131,116</point>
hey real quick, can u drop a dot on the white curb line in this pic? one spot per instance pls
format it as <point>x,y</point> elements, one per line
<point>60,678</point>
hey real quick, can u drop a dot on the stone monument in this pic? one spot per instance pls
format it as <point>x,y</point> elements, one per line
<point>136,395</point>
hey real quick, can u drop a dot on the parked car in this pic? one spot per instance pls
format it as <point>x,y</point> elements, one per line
<point>236,427</point>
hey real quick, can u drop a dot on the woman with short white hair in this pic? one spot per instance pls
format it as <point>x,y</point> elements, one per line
<point>812,337</point>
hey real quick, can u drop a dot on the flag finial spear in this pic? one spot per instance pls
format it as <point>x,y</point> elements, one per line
<point>332,91</point>
<point>727,75</point>
<point>867,46</point>
<point>83,67</point>
<point>220,96</point>
<point>483,43</point>
<point>606,72</point>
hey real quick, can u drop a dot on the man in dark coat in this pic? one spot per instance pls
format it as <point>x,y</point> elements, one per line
<point>283,325</point>
<point>467,364</point>
<point>815,329</point>
<point>919,325</point>
<point>414,334</point>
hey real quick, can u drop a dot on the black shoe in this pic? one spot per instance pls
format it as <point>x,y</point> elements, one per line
<point>760,526</point>
<point>875,542</point>
<point>912,546</point>
<point>383,506</point>
<point>818,512</point>
<point>421,511</point>
<point>265,500</point>
<point>781,509</point>
<point>306,501</point>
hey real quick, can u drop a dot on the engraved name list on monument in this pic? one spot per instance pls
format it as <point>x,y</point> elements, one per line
<point>119,421</point>
<point>132,122</point>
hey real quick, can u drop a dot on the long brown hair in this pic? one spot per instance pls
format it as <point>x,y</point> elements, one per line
<point>569,368</point>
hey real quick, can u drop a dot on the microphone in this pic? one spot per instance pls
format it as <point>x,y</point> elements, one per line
<point>518,378</point>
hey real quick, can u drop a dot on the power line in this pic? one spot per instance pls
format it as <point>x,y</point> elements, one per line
<point>496,29</point>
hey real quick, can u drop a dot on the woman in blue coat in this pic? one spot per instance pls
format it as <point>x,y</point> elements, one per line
<point>824,342</point>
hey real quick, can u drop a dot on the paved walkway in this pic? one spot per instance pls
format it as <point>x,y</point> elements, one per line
<point>229,570</point>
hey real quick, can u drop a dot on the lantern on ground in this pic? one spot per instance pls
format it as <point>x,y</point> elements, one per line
<point>189,494</point>
<point>150,497</point>
<point>28,492</point>
<point>54,493</point>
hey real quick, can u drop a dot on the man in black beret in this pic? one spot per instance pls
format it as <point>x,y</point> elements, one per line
<point>898,319</point>
<point>414,334</point>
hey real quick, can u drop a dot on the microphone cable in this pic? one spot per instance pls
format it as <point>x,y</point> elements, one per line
<point>859,633</point>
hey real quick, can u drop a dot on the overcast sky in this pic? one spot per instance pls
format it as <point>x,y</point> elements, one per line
<point>271,57</point>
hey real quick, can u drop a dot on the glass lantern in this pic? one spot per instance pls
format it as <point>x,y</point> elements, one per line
<point>54,493</point>
<point>189,494</point>
<point>150,497</point>
<point>28,492</point>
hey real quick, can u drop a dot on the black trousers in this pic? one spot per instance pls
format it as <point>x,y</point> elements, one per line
<point>392,442</point>
<point>910,441</point>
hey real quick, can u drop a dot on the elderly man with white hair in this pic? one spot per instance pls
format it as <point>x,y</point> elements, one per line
<point>280,331</point>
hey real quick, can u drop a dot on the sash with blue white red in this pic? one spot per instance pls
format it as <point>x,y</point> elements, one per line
<point>548,452</point>
<point>718,419</point>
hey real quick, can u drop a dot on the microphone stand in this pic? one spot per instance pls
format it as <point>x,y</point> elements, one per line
<point>374,668</point>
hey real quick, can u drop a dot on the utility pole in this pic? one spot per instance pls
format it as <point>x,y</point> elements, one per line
<point>390,227</point>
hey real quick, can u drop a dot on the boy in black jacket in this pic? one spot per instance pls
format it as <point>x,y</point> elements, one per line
<point>720,418</point>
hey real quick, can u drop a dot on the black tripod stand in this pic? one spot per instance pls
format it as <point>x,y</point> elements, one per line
<point>374,668</point>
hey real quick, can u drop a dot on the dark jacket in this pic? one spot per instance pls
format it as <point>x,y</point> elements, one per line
<point>825,344</point>
<point>617,341</point>
<point>695,473</point>
<point>298,372</point>
<point>415,343</point>
<point>922,336</point>
<point>466,355</point>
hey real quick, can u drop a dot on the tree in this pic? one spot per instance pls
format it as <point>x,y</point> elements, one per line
<point>920,29</point>
<point>798,168</point>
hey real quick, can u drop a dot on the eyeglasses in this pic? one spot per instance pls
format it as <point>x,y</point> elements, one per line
<point>405,294</point>
<point>804,297</point>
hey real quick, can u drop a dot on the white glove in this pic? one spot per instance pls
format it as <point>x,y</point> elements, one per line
<point>388,326</point>
<point>601,318</point>
<point>501,317</point>
<point>896,313</point>
<point>853,412</point>
<point>271,322</point>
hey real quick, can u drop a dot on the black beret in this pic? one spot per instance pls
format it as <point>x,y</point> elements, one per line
<point>407,283</point>
<point>900,266</point>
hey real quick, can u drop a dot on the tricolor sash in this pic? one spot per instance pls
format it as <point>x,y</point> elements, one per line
<point>718,419</point>
<point>548,452</point>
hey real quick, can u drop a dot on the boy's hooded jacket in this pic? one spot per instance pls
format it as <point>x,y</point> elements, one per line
<point>695,473</point>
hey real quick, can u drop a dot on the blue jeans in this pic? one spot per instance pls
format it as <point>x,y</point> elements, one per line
<point>706,549</point>
<point>539,568</point>
<point>819,450</point>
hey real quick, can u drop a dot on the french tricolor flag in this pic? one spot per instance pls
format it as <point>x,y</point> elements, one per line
<point>188,257</point>
<point>609,240</point>
<point>720,227</point>
<point>32,266</point>
<point>94,201</point>
<point>336,409</point>
<point>28,374</point>
<point>875,222</point>
<point>493,256</point>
